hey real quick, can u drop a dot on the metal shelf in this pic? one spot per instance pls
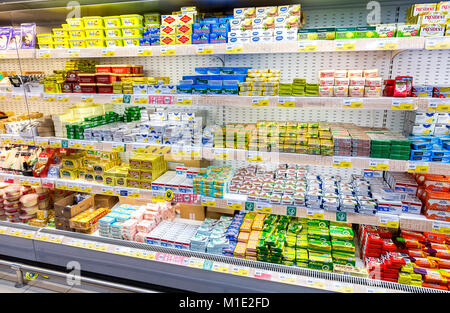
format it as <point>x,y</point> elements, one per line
<point>182,269</point>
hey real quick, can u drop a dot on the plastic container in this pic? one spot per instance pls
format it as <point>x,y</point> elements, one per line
<point>88,88</point>
<point>121,69</point>
<point>76,33</point>
<point>92,21</point>
<point>113,32</point>
<point>30,210</point>
<point>42,38</point>
<point>75,22</point>
<point>60,39</point>
<point>105,78</point>
<point>61,45</point>
<point>59,32</point>
<point>132,32</point>
<point>77,43</point>
<point>112,21</point>
<point>103,68</point>
<point>114,42</point>
<point>132,20</point>
<point>95,33</point>
<point>131,42</point>
<point>105,88</point>
<point>95,43</point>
<point>46,46</point>
<point>137,69</point>
<point>86,78</point>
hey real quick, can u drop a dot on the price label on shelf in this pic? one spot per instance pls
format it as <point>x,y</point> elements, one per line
<point>263,208</point>
<point>307,46</point>
<point>49,97</point>
<point>342,162</point>
<point>204,49</point>
<point>353,103</point>
<point>17,96</point>
<point>3,230</point>
<point>139,147</point>
<point>184,100</point>
<point>240,270</point>
<point>28,234</point>
<point>75,144</point>
<point>44,53</point>
<point>60,184</point>
<point>344,44</point>
<point>87,145</point>
<point>437,43</point>
<point>208,201</point>
<point>54,143</point>
<point>315,213</point>
<point>48,182</point>
<point>253,156</point>
<point>108,52</point>
<point>116,98</point>
<point>2,96</point>
<point>286,102</point>
<point>167,51</point>
<point>402,104</point>
<point>144,51</point>
<point>196,263</point>
<point>379,164</point>
<point>262,274</point>
<point>2,55</point>
<point>315,283</point>
<point>343,287</point>
<point>440,227</point>
<point>100,246</point>
<point>134,193</point>
<point>234,204</point>
<point>73,186</point>
<point>234,48</point>
<point>417,167</point>
<point>33,97</point>
<point>30,181</point>
<point>62,98</point>
<point>220,267</point>
<point>118,147</point>
<point>387,44</point>
<point>7,139</point>
<point>287,278</point>
<point>87,98</point>
<point>220,153</point>
<point>85,187</point>
<point>376,290</point>
<point>387,220</point>
<point>8,179</point>
<point>14,232</point>
<point>260,101</point>
<point>140,99</point>
<point>73,53</point>
<point>439,105</point>
<point>106,190</point>
<point>17,140</point>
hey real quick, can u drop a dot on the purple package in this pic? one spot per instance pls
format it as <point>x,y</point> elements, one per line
<point>16,39</point>
<point>5,36</point>
<point>28,35</point>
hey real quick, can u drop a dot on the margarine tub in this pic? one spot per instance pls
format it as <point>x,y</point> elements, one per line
<point>61,44</point>
<point>60,39</point>
<point>131,20</point>
<point>130,42</point>
<point>94,33</point>
<point>97,42</point>
<point>113,32</point>
<point>59,32</point>
<point>76,33</point>
<point>46,45</point>
<point>93,22</point>
<point>132,31</point>
<point>114,42</point>
<point>75,22</point>
<point>112,21</point>
<point>44,38</point>
<point>77,43</point>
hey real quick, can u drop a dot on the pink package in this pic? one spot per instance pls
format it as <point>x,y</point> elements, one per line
<point>129,237</point>
<point>370,73</point>
<point>326,91</point>
<point>341,91</point>
<point>373,81</point>
<point>341,81</point>
<point>326,73</point>
<point>326,81</point>
<point>129,224</point>
<point>357,81</point>
<point>137,215</point>
<point>140,237</point>
<point>340,73</point>
<point>356,91</point>
<point>145,226</point>
<point>152,216</point>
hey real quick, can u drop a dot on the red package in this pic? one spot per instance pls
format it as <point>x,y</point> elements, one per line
<point>388,245</point>
<point>434,237</point>
<point>425,262</point>
<point>409,84</point>
<point>416,253</point>
<point>400,88</point>
<point>442,254</point>
<point>390,275</point>
<point>442,263</point>
<point>412,235</point>
<point>411,243</point>
<point>390,279</point>
<point>435,286</point>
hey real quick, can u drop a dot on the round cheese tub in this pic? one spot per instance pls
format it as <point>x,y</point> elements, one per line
<point>132,20</point>
<point>93,21</point>
<point>131,42</point>
<point>76,33</point>
<point>112,21</point>
<point>95,43</point>
<point>46,45</point>
<point>59,32</point>
<point>42,38</point>
<point>121,69</point>
<point>103,68</point>
<point>77,43</point>
<point>61,44</point>
<point>132,31</point>
<point>60,39</point>
<point>113,32</point>
<point>75,22</point>
<point>94,33</point>
<point>114,42</point>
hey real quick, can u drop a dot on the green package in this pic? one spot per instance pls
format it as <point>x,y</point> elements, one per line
<point>344,258</point>
<point>345,32</point>
<point>318,233</point>
<point>318,223</point>
<point>343,245</point>
<point>366,32</point>
<point>321,262</point>
<point>386,30</point>
<point>319,245</point>
<point>307,34</point>
<point>302,264</point>
<point>342,233</point>
<point>326,33</point>
<point>408,30</point>
<point>301,255</point>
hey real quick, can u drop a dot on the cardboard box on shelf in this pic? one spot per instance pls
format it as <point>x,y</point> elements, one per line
<point>192,212</point>
<point>104,201</point>
<point>186,162</point>
<point>65,207</point>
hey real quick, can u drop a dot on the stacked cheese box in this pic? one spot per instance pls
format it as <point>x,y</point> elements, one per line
<point>211,30</point>
<point>172,234</point>
<point>402,187</point>
<point>176,29</point>
<point>389,145</point>
<point>350,140</point>
<point>430,91</point>
<point>434,191</point>
<point>265,24</point>
<point>211,236</point>
<point>433,18</point>
<point>260,82</point>
<point>353,83</point>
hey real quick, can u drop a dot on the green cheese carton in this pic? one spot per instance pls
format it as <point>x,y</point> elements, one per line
<point>408,30</point>
<point>366,32</point>
<point>345,32</point>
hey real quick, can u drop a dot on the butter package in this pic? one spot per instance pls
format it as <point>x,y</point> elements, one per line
<point>168,40</point>
<point>242,13</point>
<point>263,23</point>
<point>186,18</point>
<point>386,30</point>
<point>444,7</point>
<point>293,9</point>
<point>168,30</point>
<point>345,32</point>
<point>171,20</point>
<point>183,40</point>
<point>408,30</point>
<point>307,34</point>
<point>432,30</point>
<point>433,18</point>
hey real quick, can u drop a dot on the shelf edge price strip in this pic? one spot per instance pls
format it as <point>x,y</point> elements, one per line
<point>167,51</point>
<point>345,45</point>
<point>184,100</point>
<point>204,50</point>
<point>417,167</point>
<point>391,221</point>
<point>260,101</point>
<point>401,105</point>
<point>353,103</point>
<point>307,46</point>
<point>263,208</point>
<point>438,105</point>
<point>440,227</point>
<point>342,162</point>
<point>315,214</point>
<point>143,51</point>
<point>379,164</point>
<point>437,43</point>
<point>208,201</point>
<point>234,49</point>
<point>387,44</point>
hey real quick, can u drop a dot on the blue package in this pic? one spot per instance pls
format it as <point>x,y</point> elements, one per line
<point>440,153</point>
<point>210,20</point>
<point>421,145</point>
<point>441,159</point>
<point>218,38</point>
<point>185,89</point>
<point>214,70</point>
<point>220,28</point>
<point>215,82</point>
<point>423,88</point>
<point>200,38</point>
<point>222,20</point>
<point>199,89</point>
<point>229,82</point>
<point>420,158</point>
<point>214,90</point>
<point>423,153</point>
<point>201,70</point>
<point>428,138</point>
<point>153,31</point>
<point>446,145</point>
<point>230,89</point>
<point>155,40</point>
<point>201,28</point>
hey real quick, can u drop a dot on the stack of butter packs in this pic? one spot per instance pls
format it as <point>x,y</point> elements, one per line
<point>211,236</point>
<point>299,88</point>
<point>389,145</point>
<point>260,82</point>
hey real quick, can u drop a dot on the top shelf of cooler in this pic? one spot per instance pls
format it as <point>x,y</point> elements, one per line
<point>375,44</point>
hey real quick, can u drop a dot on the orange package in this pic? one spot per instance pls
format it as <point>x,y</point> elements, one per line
<point>435,278</point>
<point>412,235</point>
<point>437,183</point>
<point>435,286</point>
<point>443,263</point>
<point>425,262</point>
<point>442,254</point>
<point>416,253</point>
<point>435,237</point>
<point>423,178</point>
<point>436,200</point>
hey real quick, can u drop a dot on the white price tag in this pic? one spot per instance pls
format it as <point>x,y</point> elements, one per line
<point>286,102</point>
<point>234,48</point>
<point>208,201</point>
<point>260,101</point>
<point>379,164</point>
<point>144,51</point>
<point>344,44</point>
<point>353,103</point>
<point>307,46</point>
<point>204,49</point>
<point>417,167</point>
<point>441,227</point>
<point>387,44</point>
<point>439,105</point>
<point>73,53</point>
<point>44,53</point>
<point>108,52</point>
<point>234,204</point>
<point>48,182</point>
<point>263,207</point>
<point>402,104</point>
<point>387,220</point>
<point>437,43</point>
<point>315,213</point>
<point>140,99</point>
<point>184,100</point>
<point>342,162</point>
